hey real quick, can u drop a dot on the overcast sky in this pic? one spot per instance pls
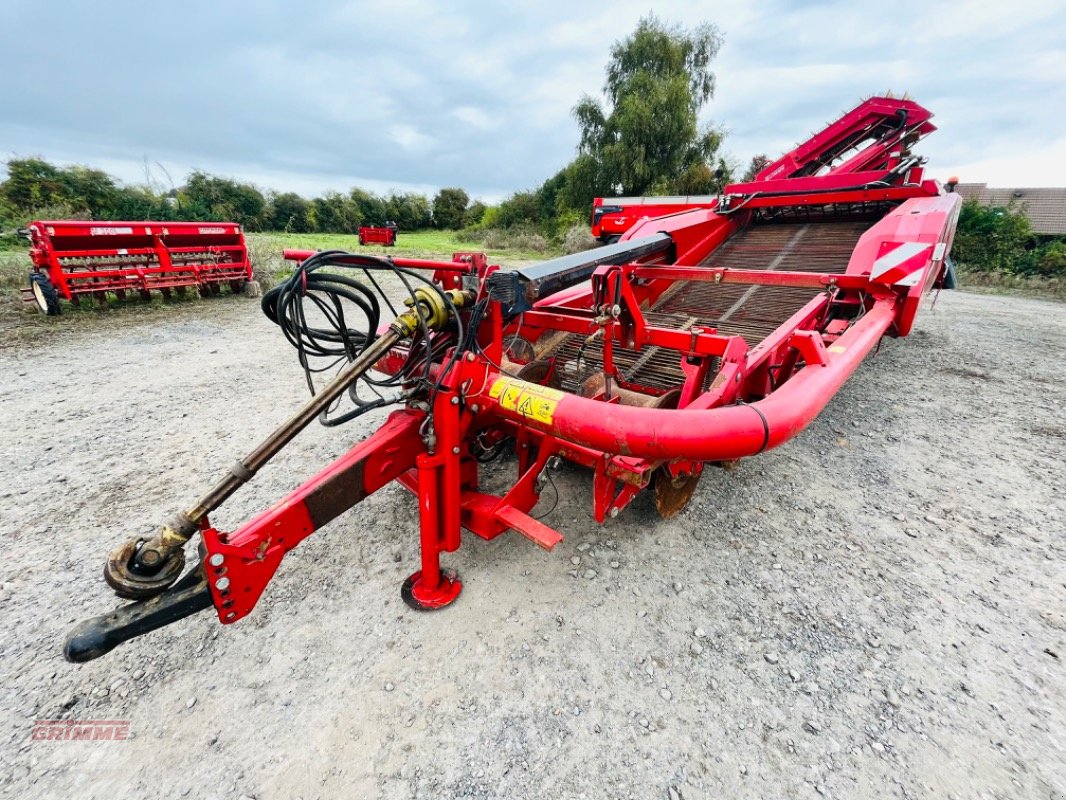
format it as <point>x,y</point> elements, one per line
<point>320,95</point>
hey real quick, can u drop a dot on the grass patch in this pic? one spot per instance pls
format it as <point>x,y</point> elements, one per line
<point>269,267</point>
<point>420,244</point>
<point>14,269</point>
<point>1003,283</point>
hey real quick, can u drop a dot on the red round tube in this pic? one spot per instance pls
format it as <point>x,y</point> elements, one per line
<point>717,434</point>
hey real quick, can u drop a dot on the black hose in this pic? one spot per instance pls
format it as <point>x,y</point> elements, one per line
<point>350,312</point>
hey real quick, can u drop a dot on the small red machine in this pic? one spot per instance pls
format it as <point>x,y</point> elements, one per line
<point>74,258</point>
<point>701,337</point>
<point>385,236</point>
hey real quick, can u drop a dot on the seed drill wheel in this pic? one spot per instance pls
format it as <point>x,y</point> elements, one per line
<point>44,294</point>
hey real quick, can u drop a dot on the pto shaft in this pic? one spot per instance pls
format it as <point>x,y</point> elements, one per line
<point>144,568</point>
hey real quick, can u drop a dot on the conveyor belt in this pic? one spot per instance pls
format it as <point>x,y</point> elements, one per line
<point>734,309</point>
<point>651,367</point>
<point>756,311</point>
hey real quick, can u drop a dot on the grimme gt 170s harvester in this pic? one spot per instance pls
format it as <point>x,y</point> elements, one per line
<point>701,337</point>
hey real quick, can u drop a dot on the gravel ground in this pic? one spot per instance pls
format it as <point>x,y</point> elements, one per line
<point>873,610</point>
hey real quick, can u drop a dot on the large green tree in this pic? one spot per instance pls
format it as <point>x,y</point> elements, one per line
<point>370,208</point>
<point>33,183</point>
<point>646,131</point>
<point>410,211</point>
<point>336,213</point>
<point>290,212</point>
<point>643,137</point>
<point>208,197</point>
<point>449,206</point>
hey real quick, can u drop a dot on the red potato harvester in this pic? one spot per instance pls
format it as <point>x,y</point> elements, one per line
<point>701,337</point>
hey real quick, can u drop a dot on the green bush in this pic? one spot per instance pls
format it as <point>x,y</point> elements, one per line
<point>525,239</point>
<point>1048,260</point>
<point>579,238</point>
<point>993,239</point>
<point>36,189</point>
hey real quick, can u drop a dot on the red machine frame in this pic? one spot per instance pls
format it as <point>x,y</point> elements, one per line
<point>734,394</point>
<point>80,257</point>
<point>623,444</point>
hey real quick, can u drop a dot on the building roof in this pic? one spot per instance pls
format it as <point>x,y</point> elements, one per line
<point>1046,208</point>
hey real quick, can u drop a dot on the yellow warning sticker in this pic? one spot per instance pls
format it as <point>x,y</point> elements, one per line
<point>837,348</point>
<point>531,400</point>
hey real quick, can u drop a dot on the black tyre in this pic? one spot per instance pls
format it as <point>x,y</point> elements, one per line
<point>949,281</point>
<point>362,242</point>
<point>45,294</point>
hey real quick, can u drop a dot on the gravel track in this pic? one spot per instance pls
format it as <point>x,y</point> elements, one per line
<point>876,609</point>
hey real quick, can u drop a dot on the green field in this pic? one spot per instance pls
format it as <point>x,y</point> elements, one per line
<point>420,244</point>
<point>265,250</point>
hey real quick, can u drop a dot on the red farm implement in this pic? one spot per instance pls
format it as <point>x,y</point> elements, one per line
<point>702,337</point>
<point>385,236</point>
<point>75,258</point>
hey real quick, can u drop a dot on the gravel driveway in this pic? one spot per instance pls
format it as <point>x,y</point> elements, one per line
<point>877,609</point>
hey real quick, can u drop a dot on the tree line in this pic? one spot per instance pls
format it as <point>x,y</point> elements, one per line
<point>35,188</point>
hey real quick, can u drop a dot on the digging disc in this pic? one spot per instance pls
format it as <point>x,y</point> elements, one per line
<point>673,494</point>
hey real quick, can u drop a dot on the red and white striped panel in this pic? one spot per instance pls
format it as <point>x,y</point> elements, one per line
<point>901,263</point>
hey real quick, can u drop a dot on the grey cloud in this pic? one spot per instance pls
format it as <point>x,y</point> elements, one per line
<point>326,94</point>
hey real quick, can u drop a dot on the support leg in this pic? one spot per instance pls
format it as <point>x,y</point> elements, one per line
<point>431,587</point>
